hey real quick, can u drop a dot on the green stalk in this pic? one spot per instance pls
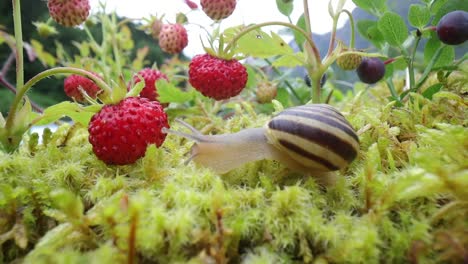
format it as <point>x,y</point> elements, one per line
<point>19,65</point>
<point>411,62</point>
<point>309,31</point>
<point>351,25</point>
<point>60,70</point>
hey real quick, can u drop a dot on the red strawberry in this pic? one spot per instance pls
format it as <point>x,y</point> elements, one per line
<point>173,38</point>
<point>120,133</point>
<point>69,13</point>
<point>218,9</point>
<point>73,83</point>
<point>217,78</point>
<point>150,76</point>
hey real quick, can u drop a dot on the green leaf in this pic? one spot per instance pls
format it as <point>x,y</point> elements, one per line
<point>393,28</point>
<point>418,15</point>
<point>445,7</point>
<point>368,30</point>
<point>75,111</point>
<point>300,39</point>
<point>168,93</point>
<point>372,6</point>
<point>285,7</point>
<point>46,58</point>
<point>290,60</point>
<point>446,57</point>
<point>433,89</point>
<point>259,44</point>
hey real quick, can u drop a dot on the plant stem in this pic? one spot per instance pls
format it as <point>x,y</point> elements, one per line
<point>60,70</point>
<point>12,88</point>
<point>411,62</point>
<point>351,25</point>
<point>19,65</point>
<point>315,50</point>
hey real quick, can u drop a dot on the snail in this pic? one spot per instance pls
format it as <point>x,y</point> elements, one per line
<point>314,138</point>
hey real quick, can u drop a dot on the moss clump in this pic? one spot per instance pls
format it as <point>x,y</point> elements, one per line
<point>404,199</point>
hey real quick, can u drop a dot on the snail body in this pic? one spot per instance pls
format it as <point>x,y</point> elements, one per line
<point>310,138</point>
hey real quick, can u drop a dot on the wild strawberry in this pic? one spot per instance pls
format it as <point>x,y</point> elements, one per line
<point>217,78</point>
<point>191,4</point>
<point>349,62</point>
<point>150,76</point>
<point>266,92</point>
<point>218,9</point>
<point>69,13</point>
<point>74,85</point>
<point>120,133</point>
<point>173,38</point>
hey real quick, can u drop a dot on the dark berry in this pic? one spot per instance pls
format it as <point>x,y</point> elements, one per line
<point>371,70</point>
<point>452,28</point>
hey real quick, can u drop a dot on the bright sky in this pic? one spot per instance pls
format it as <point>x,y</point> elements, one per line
<point>247,11</point>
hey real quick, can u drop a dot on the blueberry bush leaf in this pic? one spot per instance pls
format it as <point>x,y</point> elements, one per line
<point>393,28</point>
<point>418,15</point>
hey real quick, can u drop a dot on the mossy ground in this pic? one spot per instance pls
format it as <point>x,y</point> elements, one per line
<point>404,199</point>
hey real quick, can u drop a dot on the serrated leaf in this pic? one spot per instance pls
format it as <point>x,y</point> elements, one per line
<point>372,6</point>
<point>285,7</point>
<point>259,44</point>
<point>75,111</point>
<point>418,15</point>
<point>446,57</point>
<point>393,28</point>
<point>46,58</point>
<point>290,60</point>
<point>168,93</point>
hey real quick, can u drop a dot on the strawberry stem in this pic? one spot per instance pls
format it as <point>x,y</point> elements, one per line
<point>19,64</point>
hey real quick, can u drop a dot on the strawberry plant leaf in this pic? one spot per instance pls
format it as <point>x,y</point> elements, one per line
<point>418,15</point>
<point>290,60</point>
<point>168,93</point>
<point>285,7</point>
<point>78,113</point>
<point>46,58</point>
<point>393,28</point>
<point>259,44</point>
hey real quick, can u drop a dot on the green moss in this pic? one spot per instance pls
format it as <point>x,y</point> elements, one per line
<point>404,198</point>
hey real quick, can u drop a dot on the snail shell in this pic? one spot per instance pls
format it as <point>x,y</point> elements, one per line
<point>317,136</point>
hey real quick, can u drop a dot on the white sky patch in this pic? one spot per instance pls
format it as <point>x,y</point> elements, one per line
<point>247,12</point>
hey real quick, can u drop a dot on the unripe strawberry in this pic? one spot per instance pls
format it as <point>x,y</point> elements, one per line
<point>73,83</point>
<point>349,62</point>
<point>218,9</point>
<point>217,78</point>
<point>121,133</point>
<point>150,76</point>
<point>69,13</point>
<point>173,38</point>
<point>266,92</point>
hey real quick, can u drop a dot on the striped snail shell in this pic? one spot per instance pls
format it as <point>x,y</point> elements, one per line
<point>312,138</point>
<point>316,135</point>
